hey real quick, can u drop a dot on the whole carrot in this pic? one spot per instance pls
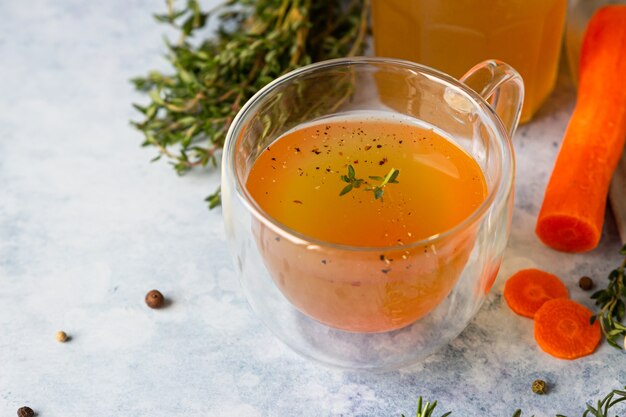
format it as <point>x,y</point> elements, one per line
<point>573,208</point>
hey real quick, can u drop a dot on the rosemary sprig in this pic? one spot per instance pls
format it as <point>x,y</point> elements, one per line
<point>378,190</point>
<point>612,303</point>
<point>603,406</point>
<point>191,107</point>
<point>427,410</point>
<point>600,409</point>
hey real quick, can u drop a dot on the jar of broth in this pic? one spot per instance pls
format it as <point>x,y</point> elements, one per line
<point>578,14</point>
<point>453,35</point>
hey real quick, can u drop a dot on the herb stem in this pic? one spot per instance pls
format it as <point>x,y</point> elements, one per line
<point>362,29</point>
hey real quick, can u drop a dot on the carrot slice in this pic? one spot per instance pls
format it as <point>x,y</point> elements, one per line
<point>527,290</point>
<point>562,329</point>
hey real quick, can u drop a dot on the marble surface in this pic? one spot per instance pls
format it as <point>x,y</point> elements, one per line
<point>88,226</point>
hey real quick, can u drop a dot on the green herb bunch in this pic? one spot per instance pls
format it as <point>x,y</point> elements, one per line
<point>191,108</point>
<point>612,303</point>
<point>600,409</point>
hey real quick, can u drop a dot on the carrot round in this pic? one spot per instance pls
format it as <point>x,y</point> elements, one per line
<point>572,213</point>
<point>562,329</point>
<point>527,290</point>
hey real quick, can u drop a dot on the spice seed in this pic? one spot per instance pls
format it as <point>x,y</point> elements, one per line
<point>25,412</point>
<point>540,387</point>
<point>154,299</point>
<point>61,336</point>
<point>585,283</point>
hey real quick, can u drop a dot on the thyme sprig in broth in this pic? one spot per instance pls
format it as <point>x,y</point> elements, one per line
<point>390,178</point>
<point>377,189</point>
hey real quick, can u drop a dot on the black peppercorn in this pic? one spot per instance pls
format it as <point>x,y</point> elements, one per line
<point>154,299</point>
<point>585,283</point>
<point>540,387</point>
<point>25,412</point>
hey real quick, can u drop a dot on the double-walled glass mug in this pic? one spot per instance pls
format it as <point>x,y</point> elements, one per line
<point>331,302</point>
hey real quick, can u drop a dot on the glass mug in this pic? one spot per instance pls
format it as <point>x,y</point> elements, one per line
<point>332,302</point>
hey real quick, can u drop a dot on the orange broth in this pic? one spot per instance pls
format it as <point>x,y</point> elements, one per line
<point>297,180</point>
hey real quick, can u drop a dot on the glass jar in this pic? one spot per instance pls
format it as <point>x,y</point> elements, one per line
<point>452,35</point>
<point>578,14</point>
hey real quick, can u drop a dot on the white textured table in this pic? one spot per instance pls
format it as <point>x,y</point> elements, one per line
<point>87,226</point>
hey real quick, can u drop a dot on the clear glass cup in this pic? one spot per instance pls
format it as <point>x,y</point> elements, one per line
<point>316,296</point>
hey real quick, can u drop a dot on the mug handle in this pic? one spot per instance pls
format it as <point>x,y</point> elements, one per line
<point>502,87</point>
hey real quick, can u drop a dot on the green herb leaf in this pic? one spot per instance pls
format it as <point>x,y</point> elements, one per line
<point>346,190</point>
<point>214,199</point>
<point>597,294</point>
<point>392,179</point>
<point>427,409</point>
<point>351,172</point>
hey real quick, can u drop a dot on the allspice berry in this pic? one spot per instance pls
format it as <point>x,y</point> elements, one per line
<point>61,336</point>
<point>540,387</point>
<point>585,283</point>
<point>25,412</point>
<point>154,299</point>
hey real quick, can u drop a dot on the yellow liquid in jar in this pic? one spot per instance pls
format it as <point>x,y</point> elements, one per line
<point>454,35</point>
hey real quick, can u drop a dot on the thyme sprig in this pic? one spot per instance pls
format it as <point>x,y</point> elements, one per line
<point>352,181</point>
<point>378,190</point>
<point>192,106</point>
<point>390,178</point>
<point>612,302</point>
<point>600,409</point>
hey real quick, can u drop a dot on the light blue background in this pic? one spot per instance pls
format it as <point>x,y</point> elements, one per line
<point>88,226</point>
